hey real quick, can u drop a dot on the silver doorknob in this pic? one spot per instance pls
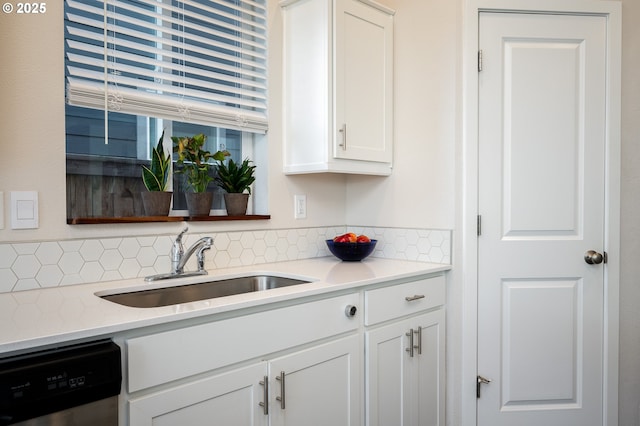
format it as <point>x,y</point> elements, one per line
<point>593,257</point>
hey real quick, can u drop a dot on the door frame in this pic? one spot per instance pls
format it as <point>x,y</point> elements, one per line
<point>466,240</point>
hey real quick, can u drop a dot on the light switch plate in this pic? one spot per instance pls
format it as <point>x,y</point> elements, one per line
<point>300,206</point>
<point>1,210</point>
<point>24,209</point>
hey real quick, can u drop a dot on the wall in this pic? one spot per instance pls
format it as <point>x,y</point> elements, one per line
<point>629,386</point>
<point>32,122</point>
<point>33,154</point>
<point>421,187</point>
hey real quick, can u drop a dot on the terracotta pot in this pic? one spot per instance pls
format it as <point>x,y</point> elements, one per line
<point>236,204</point>
<point>199,203</point>
<point>156,203</point>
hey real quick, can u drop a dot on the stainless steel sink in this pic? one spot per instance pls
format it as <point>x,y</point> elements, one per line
<point>165,296</point>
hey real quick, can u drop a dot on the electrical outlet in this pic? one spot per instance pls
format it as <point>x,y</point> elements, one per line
<point>300,206</point>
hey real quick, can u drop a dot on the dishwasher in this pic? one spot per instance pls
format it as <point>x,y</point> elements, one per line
<point>67,386</point>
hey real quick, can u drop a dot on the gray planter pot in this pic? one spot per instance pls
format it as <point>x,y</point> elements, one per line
<point>199,203</point>
<point>236,204</point>
<point>156,203</point>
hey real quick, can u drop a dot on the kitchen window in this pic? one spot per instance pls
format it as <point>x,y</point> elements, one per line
<point>136,68</point>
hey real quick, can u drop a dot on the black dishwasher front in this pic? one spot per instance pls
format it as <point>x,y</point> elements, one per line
<point>71,386</point>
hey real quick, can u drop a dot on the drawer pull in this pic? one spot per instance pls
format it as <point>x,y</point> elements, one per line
<point>265,404</point>
<point>280,398</point>
<point>411,346</point>
<point>414,297</point>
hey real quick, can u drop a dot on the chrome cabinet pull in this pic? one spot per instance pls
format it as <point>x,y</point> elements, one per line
<point>411,347</point>
<point>265,405</point>
<point>343,130</point>
<point>414,297</point>
<point>419,346</point>
<point>280,398</point>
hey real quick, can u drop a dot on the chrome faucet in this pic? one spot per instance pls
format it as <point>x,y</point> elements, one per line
<point>179,257</point>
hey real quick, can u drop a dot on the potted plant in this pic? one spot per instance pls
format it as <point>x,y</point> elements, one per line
<point>193,161</point>
<point>157,200</point>
<point>235,179</point>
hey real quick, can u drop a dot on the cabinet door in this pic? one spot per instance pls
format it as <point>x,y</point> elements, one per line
<point>405,389</point>
<point>322,386</point>
<point>386,372</point>
<point>427,394</point>
<point>228,399</point>
<point>363,82</point>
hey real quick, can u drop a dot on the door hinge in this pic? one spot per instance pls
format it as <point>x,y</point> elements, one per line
<point>479,225</point>
<point>479,382</point>
<point>479,60</point>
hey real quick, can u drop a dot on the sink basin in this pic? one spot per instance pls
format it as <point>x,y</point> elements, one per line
<point>156,297</point>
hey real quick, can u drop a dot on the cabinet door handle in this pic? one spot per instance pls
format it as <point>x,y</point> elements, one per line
<point>343,130</point>
<point>411,347</point>
<point>280,398</point>
<point>265,405</point>
<point>419,346</point>
<point>414,297</point>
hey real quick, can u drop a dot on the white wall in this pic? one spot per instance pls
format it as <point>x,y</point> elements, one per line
<point>629,385</point>
<point>33,140</point>
<point>420,190</point>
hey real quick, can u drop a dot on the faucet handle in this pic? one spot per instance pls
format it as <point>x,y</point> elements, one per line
<point>179,237</point>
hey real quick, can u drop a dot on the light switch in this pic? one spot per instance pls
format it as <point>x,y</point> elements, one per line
<point>300,206</point>
<point>24,209</point>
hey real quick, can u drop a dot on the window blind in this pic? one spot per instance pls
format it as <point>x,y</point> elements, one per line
<point>197,61</point>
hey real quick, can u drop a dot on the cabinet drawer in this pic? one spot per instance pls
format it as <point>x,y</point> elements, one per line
<point>395,301</point>
<point>171,355</point>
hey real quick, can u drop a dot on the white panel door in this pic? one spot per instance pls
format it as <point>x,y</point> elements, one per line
<point>541,200</point>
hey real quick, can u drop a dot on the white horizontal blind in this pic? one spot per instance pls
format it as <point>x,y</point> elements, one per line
<point>197,61</point>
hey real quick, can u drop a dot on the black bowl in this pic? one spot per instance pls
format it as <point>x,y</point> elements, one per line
<point>351,252</point>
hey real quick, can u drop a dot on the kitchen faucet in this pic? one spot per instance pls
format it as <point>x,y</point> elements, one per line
<point>179,257</point>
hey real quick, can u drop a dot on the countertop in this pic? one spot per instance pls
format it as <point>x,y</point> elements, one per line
<point>45,317</point>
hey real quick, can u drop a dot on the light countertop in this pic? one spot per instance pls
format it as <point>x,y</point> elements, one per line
<point>30,319</point>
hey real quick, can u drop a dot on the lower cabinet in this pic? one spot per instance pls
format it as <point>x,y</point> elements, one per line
<point>314,386</point>
<point>405,368</point>
<point>298,365</point>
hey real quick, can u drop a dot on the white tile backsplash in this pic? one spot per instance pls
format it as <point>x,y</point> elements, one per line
<point>25,266</point>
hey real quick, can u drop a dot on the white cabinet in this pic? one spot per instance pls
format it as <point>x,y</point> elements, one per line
<point>321,385</point>
<point>307,363</point>
<point>188,376</point>
<point>405,355</point>
<point>338,86</point>
<point>315,386</point>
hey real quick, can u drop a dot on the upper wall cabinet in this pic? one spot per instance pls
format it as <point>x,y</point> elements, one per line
<point>338,87</point>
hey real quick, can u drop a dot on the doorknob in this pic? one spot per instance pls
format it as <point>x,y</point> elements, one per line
<point>593,257</point>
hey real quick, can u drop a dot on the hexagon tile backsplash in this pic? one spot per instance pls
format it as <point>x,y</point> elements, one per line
<point>25,266</point>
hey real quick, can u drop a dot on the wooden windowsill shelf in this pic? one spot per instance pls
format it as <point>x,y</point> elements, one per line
<point>150,219</point>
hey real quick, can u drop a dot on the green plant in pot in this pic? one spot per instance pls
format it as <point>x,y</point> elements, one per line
<point>157,200</point>
<point>236,179</point>
<point>193,162</point>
